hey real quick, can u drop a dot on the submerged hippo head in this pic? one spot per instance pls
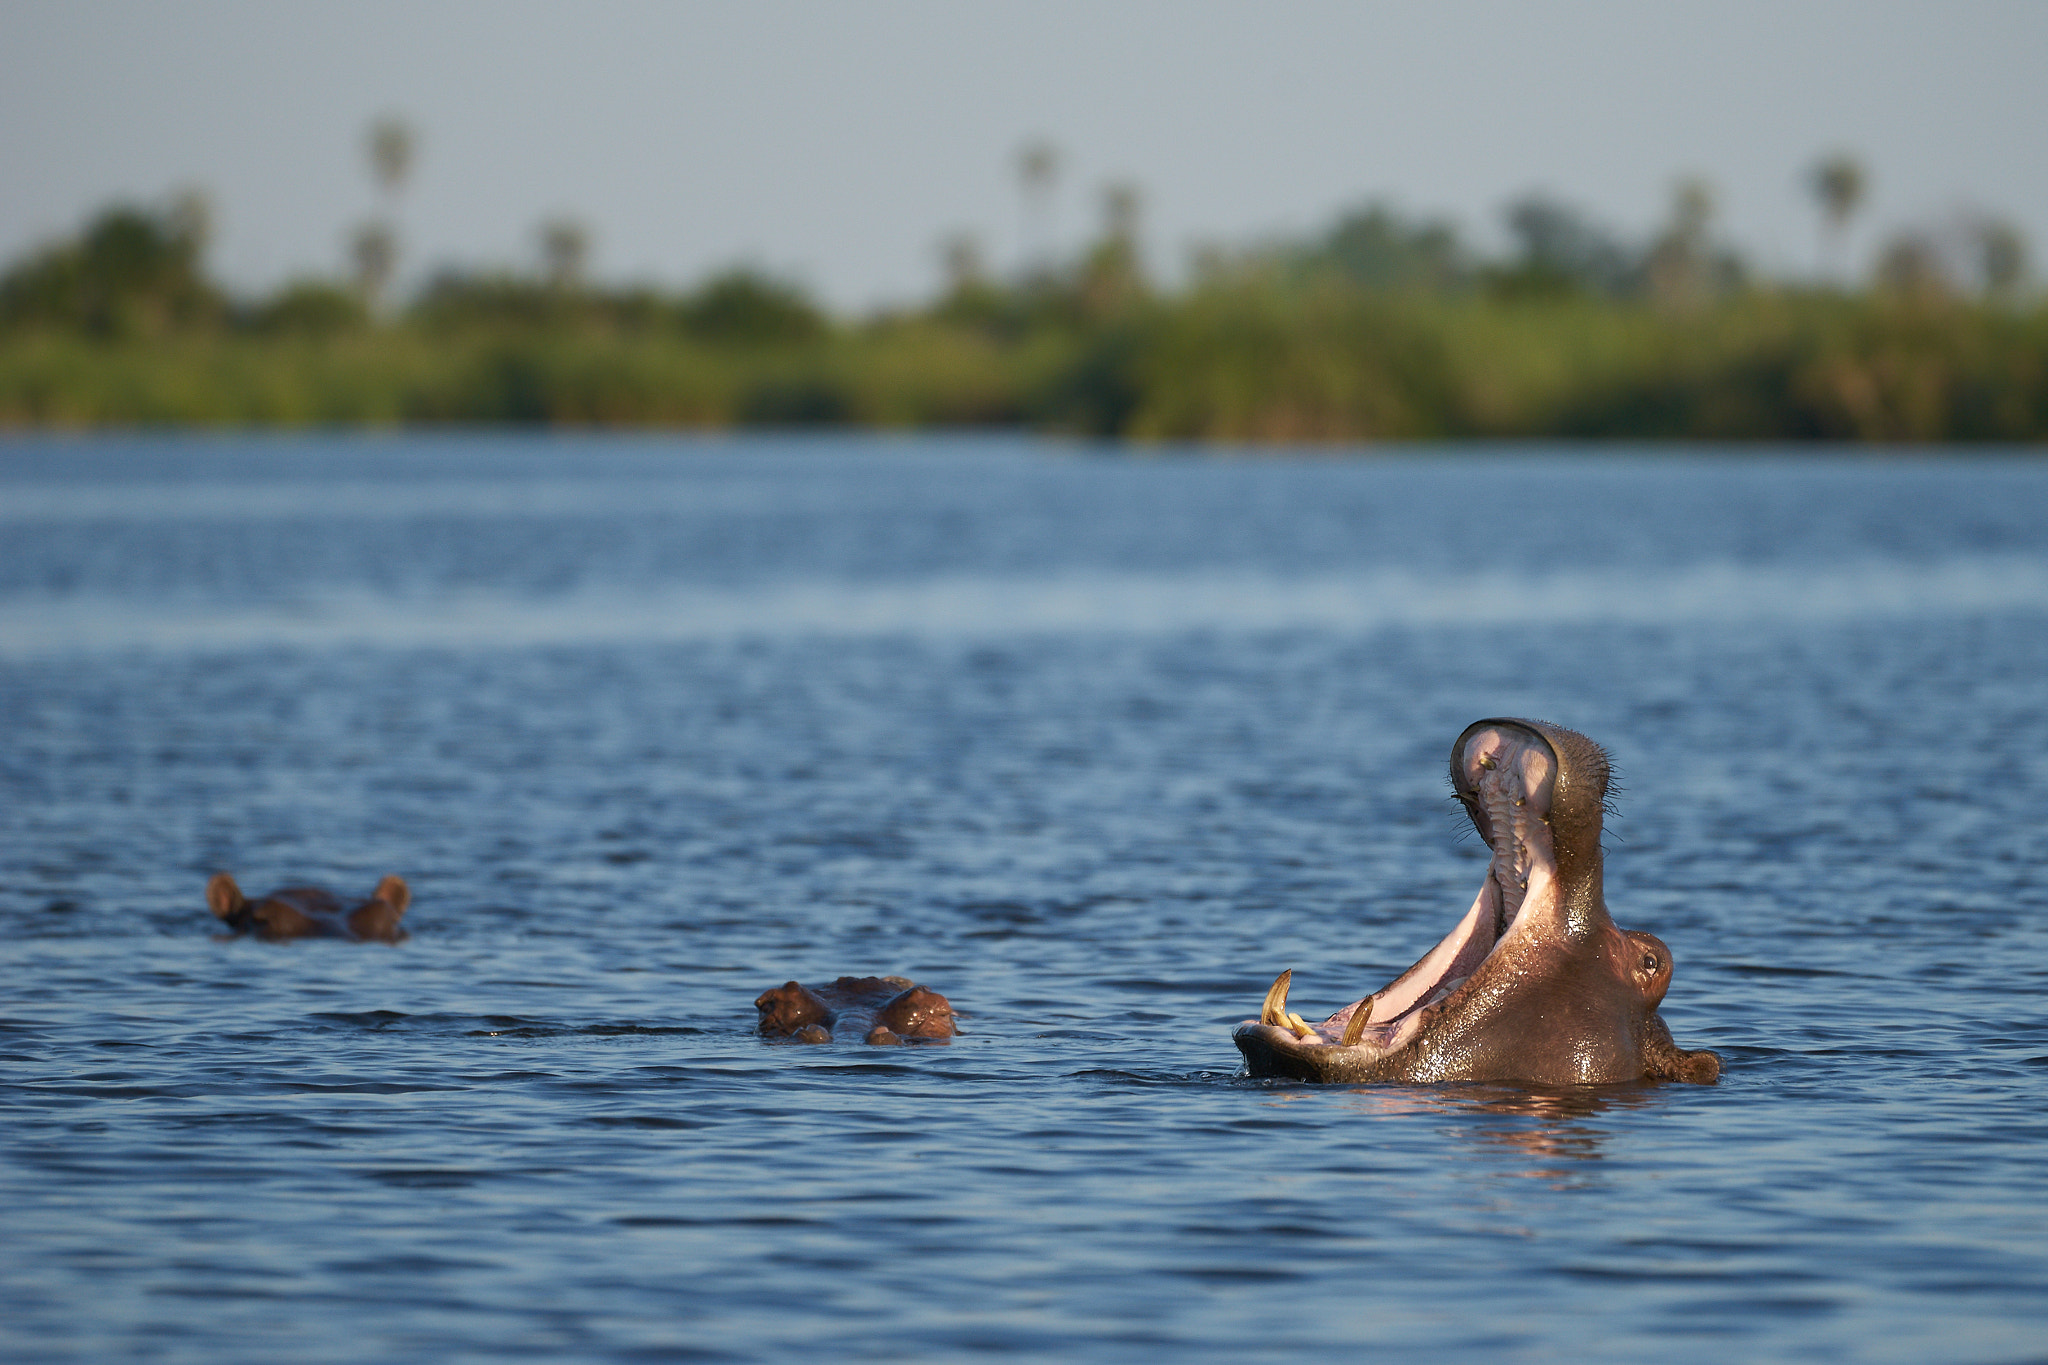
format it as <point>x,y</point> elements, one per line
<point>1536,983</point>
<point>885,1009</point>
<point>311,912</point>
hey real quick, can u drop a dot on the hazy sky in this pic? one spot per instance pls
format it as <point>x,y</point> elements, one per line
<point>838,141</point>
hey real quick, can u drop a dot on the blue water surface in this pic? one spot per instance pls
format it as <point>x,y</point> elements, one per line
<point>1094,743</point>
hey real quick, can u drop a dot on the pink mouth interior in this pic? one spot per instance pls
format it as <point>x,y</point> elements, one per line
<point>1507,779</point>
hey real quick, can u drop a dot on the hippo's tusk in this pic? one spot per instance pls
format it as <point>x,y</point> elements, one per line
<point>1354,1030</point>
<point>1302,1028</point>
<point>1275,1010</point>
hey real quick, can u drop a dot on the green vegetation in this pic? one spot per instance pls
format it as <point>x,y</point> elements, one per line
<point>1383,327</point>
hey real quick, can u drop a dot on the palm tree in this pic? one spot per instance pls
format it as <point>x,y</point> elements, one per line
<point>374,250</point>
<point>960,258</point>
<point>191,218</point>
<point>564,248</point>
<point>2001,256</point>
<point>1038,169</point>
<point>1838,182</point>
<point>389,146</point>
<point>1112,276</point>
<point>1678,269</point>
<point>1121,202</point>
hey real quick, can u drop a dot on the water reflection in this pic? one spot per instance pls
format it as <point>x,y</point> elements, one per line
<point>1551,1127</point>
<point>1548,1129</point>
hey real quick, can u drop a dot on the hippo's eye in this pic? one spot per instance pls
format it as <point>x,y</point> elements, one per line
<point>1650,962</point>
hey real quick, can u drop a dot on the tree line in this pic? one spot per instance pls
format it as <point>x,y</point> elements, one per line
<point>1384,326</point>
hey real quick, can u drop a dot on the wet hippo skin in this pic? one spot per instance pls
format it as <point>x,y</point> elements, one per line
<point>1536,983</point>
<point>883,1009</point>
<point>311,912</point>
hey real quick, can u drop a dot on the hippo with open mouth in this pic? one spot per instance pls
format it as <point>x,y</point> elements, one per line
<point>1536,984</point>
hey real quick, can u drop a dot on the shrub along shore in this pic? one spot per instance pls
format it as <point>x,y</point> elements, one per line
<point>121,328</point>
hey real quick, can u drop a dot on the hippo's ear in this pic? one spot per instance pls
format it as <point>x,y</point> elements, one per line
<point>223,895</point>
<point>919,1012</point>
<point>394,892</point>
<point>376,920</point>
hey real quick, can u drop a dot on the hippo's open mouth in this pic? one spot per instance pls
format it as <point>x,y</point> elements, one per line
<point>1506,777</point>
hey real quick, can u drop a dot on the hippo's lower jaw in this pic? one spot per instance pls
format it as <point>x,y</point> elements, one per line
<point>1535,983</point>
<point>1372,1038</point>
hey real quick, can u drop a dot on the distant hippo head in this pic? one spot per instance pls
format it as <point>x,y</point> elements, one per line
<point>884,1009</point>
<point>1536,983</point>
<point>311,912</point>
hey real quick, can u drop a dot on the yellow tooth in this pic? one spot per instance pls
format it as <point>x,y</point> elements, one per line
<point>1300,1026</point>
<point>1359,1017</point>
<point>1275,1011</point>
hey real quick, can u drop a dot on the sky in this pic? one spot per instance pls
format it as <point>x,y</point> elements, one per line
<point>838,143</point>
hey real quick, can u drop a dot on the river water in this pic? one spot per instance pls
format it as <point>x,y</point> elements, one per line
<point>1094,743</point>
